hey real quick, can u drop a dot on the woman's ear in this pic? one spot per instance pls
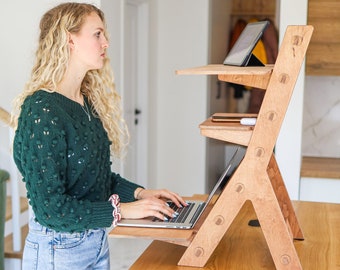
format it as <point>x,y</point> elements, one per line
<point>70,40</point>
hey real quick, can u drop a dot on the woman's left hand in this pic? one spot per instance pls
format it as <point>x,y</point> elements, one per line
<point>141,193</point>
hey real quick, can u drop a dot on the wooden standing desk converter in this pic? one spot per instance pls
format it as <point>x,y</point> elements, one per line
<point>258,178</point>
<point>244,247</point>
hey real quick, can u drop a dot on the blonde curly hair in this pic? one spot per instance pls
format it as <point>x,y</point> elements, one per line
<point>52,57</point>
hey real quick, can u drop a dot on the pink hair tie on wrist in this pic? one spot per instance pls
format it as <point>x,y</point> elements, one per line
<point>115,202</point>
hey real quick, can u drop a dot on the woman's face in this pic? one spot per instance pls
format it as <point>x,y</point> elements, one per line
<point>89,45</point>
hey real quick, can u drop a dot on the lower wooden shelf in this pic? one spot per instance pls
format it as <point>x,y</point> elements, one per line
<point>244,247</point>
<point>181,237</point>
<point>228,132</point>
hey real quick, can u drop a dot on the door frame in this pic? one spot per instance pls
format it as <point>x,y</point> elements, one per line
<point>136,163</point>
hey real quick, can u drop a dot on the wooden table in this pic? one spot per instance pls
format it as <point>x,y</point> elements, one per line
<point>244,247</point>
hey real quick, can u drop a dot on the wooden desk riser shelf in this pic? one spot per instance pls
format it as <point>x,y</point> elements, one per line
<point>251,76</point>
<point>257,178</point>
<point>179,237</point>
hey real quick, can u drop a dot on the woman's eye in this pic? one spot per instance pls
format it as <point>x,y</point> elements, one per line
<point>98,34</point>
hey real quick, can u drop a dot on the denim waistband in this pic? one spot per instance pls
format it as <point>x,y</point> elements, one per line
<point>38,228</point>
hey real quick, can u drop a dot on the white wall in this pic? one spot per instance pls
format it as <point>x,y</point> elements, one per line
<point>288,147</point>
<point>20,28</point>
<point>179,102</point>
<point>320,190</point>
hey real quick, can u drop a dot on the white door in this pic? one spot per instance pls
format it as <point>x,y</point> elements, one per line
<point>135,94</point>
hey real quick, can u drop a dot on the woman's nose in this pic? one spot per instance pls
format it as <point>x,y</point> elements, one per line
<point>105,43</point>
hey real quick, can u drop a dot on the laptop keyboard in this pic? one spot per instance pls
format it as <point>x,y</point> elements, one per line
<point>183,213</point>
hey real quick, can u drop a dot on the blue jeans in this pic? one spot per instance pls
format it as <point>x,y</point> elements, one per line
<point>46,249</point>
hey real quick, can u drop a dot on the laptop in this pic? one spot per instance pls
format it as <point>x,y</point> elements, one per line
<point>241,53</point>
<point>189,214</point>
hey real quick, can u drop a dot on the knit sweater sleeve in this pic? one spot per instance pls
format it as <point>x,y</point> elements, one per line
<point>124,188</point>
<point>40,152</point>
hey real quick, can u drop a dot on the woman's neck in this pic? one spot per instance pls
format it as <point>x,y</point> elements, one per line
<point>70,86</point>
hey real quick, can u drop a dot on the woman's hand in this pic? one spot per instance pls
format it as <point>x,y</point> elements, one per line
<point>141,193</point>
<point>151,203</point>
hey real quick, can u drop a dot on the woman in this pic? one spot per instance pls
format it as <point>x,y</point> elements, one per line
<point>68,126</point>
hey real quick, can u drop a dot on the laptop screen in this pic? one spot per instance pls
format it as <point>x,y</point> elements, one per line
<point>232,164</point>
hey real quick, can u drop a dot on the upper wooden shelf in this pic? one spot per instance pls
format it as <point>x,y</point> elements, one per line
<point>257,77</point>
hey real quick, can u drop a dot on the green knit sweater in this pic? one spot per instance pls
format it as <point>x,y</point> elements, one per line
<point>64,159</point>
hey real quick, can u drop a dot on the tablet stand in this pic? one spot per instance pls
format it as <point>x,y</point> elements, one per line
<point>253,61</point>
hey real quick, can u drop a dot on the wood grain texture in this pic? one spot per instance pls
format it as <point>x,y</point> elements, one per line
<point>323,56</point>
<point>320,167</point>
<point>244,247</point>
<point>254,8</point>
<point>8,245</point>
<point>257,77</point>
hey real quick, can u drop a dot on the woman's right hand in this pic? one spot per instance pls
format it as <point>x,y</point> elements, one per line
<point>148,207</point>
